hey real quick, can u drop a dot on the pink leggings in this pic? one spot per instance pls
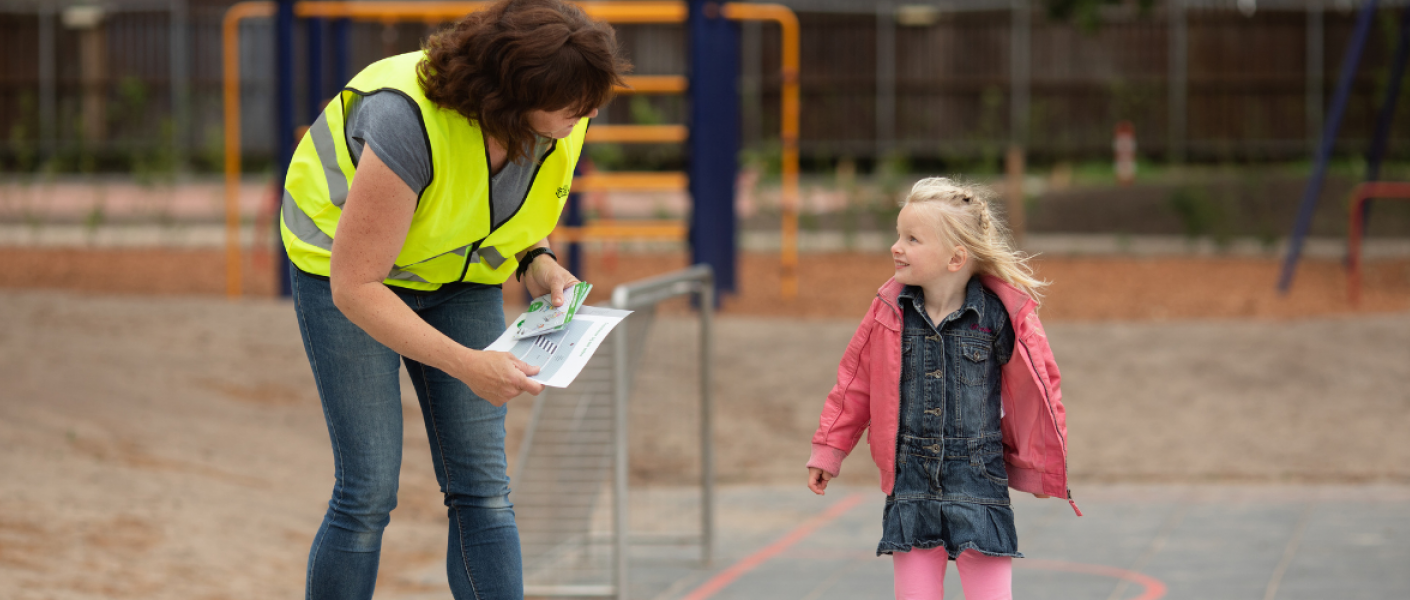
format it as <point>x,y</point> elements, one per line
<point>920,575</point>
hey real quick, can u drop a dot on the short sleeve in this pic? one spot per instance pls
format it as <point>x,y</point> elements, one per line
<point>391,124</point>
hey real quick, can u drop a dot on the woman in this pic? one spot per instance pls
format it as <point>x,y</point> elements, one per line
<point>422,187</point>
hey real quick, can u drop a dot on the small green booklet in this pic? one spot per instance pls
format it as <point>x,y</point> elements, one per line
<point>543,317</point>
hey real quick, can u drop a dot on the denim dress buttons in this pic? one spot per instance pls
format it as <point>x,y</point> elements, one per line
<point>951,487</point>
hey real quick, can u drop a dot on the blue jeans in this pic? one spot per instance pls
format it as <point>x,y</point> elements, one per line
<point>358,382</point>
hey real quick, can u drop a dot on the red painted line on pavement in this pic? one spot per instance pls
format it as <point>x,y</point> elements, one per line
<point>749,563</point>
<point>1155,588</point>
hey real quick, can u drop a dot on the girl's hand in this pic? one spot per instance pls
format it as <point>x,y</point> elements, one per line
<point>1041,496</point>
<point>817,480</point>
<point>545,276</point>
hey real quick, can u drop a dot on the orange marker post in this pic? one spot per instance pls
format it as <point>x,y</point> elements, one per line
<point>788,25</point>
<point>230,31</point>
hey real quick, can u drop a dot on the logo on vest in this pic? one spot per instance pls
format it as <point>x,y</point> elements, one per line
<point>562,191</point>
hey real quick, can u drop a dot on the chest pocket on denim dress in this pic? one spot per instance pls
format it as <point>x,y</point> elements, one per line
<point>975,367</point>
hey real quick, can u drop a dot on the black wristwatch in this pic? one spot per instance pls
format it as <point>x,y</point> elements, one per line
<point>529,260</point>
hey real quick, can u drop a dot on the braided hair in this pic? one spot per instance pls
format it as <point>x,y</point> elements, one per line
<point>965,216</point>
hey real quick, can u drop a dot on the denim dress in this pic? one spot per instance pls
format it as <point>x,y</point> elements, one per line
<point>951,487</point>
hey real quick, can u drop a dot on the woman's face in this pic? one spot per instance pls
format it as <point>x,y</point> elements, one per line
<point>556,124</point>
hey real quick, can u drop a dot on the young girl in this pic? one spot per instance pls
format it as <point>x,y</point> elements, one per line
<point>951,375</point>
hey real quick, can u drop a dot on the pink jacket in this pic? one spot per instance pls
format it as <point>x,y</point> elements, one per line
<point>868,397</point>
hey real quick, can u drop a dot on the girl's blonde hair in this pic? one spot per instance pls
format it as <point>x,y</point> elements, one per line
<point>963,212</point>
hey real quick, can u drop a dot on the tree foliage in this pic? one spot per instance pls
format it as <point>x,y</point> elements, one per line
<point>1086,13</point>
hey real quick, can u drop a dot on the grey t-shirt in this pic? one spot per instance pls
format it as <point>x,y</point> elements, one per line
<point>391,124</point>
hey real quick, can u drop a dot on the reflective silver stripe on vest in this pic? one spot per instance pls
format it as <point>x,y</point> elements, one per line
<point>399,272</point>
<point>401,275</point>
<point>323,143</point>
<point>492,257</point>
<point>302,225</point>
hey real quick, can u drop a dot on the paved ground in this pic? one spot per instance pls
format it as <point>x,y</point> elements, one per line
<point>1199,542</point>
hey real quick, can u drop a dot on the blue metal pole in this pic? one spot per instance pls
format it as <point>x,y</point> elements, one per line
<point>573,217</point>
<point>1386,117</point>
<point>283,121</point>
<point>340,53</point>
<point>317,85</point>
<point>1329,137</point>
<point>714,140</point>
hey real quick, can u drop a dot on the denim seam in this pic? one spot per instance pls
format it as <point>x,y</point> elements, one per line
<point>440,447</point>
<point>332,434</point>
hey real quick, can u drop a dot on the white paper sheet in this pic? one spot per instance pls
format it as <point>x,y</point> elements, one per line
<point>561,355</point>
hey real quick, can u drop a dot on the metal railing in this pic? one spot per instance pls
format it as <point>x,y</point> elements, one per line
<point>563,492</point>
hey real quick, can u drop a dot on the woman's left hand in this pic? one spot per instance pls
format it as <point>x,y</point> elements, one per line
<point>545,275</point>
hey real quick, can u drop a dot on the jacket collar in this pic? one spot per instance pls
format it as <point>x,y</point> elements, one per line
<point>973,298</point>
<point>1015,301</point>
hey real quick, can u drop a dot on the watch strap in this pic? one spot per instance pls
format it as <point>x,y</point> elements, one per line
<point>529,260</point>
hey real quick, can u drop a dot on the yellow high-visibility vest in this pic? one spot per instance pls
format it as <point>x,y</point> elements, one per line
<point>452,237</point>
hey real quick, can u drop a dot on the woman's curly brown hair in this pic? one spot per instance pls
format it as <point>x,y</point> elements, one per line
<point>496,65</point>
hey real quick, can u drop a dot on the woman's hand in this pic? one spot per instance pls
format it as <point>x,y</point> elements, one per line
<point>545,275</point>
<point>1041,496</point>
<point>497,376</point>
<point>817,480</point>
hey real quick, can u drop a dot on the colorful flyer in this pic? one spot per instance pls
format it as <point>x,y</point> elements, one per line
<point>543,317</point>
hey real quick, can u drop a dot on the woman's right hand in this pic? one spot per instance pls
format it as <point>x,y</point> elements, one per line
<point>817,480</point>
<point>498,376</point>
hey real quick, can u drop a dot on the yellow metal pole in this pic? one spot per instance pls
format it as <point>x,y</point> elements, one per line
<point>230,30</point>
<point>788,24</point>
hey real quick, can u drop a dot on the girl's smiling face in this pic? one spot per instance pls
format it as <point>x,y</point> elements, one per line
<point>556,124</point>
<point>921,254</point>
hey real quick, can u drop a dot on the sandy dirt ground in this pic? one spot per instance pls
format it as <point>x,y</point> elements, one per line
<point>172,446</point>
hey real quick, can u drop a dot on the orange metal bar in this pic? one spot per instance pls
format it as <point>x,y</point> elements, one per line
<point>388,12</point>
<point>788,25</point>
<point>601,231</point>
<point>654,84</point>
<point>230,31</point>
<point>612,12</point>
<point>637,134</point>
<point>663,181</point>
<point>1360,195</point>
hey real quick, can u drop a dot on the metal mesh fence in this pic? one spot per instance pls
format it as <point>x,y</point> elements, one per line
<point>616,468</point>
